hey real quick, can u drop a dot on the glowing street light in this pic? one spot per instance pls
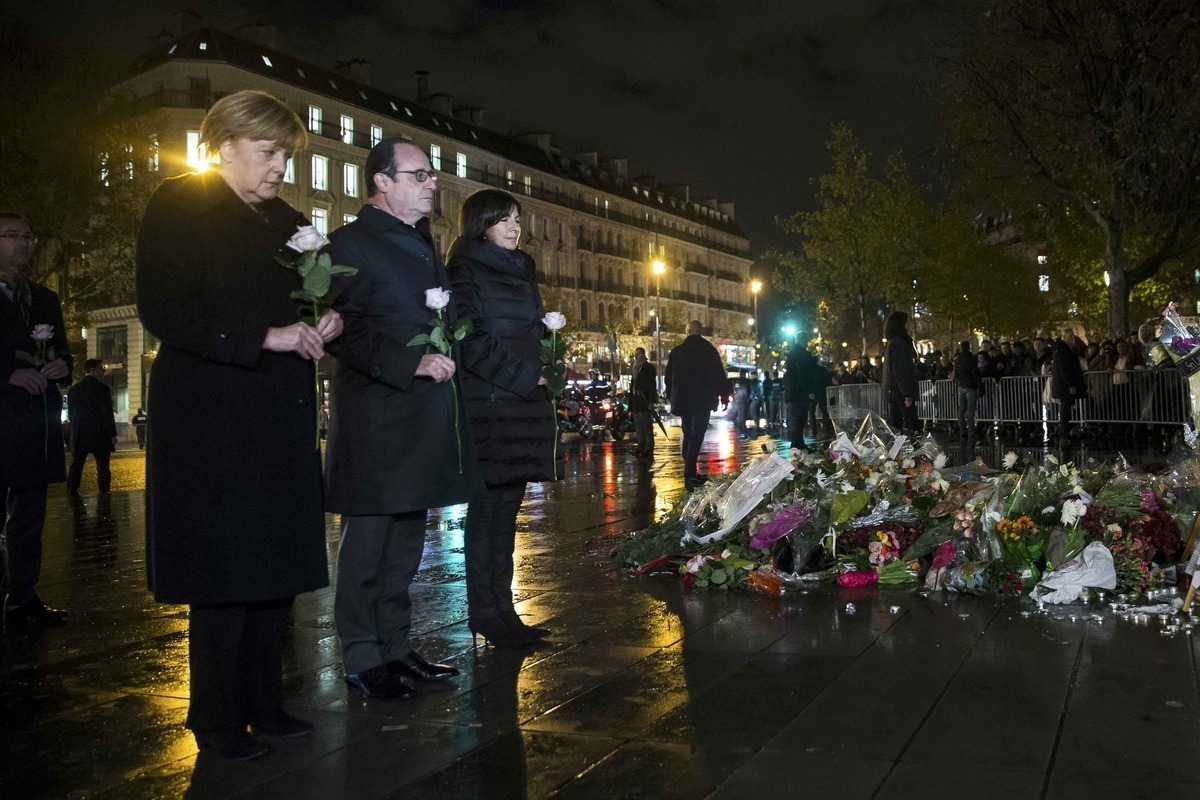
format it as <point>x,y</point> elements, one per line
<point>658,268</point>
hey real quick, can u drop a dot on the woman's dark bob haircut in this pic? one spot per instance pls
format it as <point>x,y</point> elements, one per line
<point>894,325</point>
<point>484,209</point>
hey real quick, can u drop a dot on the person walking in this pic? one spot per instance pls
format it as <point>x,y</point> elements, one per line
<point>234,521</point>
<point>139,426</point>
<point>966,375</point>
<point>398,444</point>
<point>93,427</point>
<point>31,439</point>
<point>695,384</point>
<point>899,377</point>
<point>509,409</point>
<point>643,394</point>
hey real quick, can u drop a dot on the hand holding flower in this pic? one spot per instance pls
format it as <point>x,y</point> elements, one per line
<point>299,337</point>
<point>31,380</point>
<point>56,370</point>
<point>329,326</point>
<point>436,366</point>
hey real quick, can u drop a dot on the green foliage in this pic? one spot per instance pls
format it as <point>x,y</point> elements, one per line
<point>554,369</point>
<point>316,279</point>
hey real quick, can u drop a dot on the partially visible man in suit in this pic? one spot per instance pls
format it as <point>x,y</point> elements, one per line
<point>31,450</point>
<point>643,392</point>
<point>392,453</point>
<point>93,428</point>
<point>695,382</point>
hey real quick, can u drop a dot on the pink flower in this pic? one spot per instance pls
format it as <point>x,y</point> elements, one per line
<point>858,578</point>
<point>42,333</point>
<point>695,563</point>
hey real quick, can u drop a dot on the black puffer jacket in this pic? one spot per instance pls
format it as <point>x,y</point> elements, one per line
<point>511,417</point>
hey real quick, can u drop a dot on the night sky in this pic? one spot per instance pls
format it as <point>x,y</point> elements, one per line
<point>735,98</point>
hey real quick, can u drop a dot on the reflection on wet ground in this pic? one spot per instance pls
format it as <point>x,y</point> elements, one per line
<point>644,689</point>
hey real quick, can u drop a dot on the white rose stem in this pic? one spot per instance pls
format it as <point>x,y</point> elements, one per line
<point>316,384</point>
<point>45,411</point>
<point>454,393</point>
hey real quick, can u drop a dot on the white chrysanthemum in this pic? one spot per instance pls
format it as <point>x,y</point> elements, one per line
<point>1010,459</point>
<point>1072,510</point>
<point>939,461</point>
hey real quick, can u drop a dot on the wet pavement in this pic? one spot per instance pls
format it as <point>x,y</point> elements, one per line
<point>645,689</point>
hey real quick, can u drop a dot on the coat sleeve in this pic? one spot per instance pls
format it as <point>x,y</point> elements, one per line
<point>481,353</point>
<point>363,346</point>
<point>172,302</point>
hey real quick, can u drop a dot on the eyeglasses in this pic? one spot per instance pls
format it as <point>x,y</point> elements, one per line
<point>24,237</point>
<point>421,175</point>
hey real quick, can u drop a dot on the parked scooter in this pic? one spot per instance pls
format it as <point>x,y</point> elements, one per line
<point>574,413</point>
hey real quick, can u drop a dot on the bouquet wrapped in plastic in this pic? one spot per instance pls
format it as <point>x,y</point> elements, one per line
<point>732,502</point>
<point>1183,345</point>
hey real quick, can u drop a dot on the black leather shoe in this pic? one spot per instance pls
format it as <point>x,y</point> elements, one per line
<point>35,614</point>
<point>380,684</point>
<point>233,745</point>
<point>418,669</point>
<point>283,725</point>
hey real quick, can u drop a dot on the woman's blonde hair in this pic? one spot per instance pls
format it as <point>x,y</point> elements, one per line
<point>254,115</point>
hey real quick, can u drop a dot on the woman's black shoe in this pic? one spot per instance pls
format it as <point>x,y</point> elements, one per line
<point>233,745</point>
<point>283,725</point>
<point>495,632</point>
<point>512,620</point>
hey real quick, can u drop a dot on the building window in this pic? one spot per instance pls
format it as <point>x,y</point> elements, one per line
<point>314,119</point>
<point>348,218</point>
<point>347,129</point>
<point>289,174</point>
<point>1043,283</point>
<point>583,312</point>
<point>320,172</point>
<point>528,185</point>
<point>350,180</point>
<point>195,151</point>
<point>320,220</point>
<point>152,160</point>
<point>1042,259</point>
<point>435,156</point>
<point>508,177</point>
<point>460,165</point>
<point>376,135</point>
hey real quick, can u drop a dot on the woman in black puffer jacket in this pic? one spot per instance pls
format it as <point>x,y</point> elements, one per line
<point>510,414</point>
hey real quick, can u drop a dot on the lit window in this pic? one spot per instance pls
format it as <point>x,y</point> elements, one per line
<point>267,61</point>
<point>152,161</point>
<point>320,220</point>
<point>350,180</point>
<point>320,172</point>
<point>347,129</point>
<point>1043,283</point>
<point>435,121</point>
<point>204,46</point>
<point>362,94</point>
<point>348,218</point>
<point>314,119</point>
<point>435,156</point>
<point>474,135</point>
<point>1042,259</point>
<point>128,163</point>
<point>528,185</point>
<point>333,83</point>
<point>460,165</point>
<point>289,174</point>
<point>1073,309</point>
<point>172,50</point>
<point>1196,275</point>
<point>392,103</point>
<point>407,110</point>
<point>300,72</point>
<point>195,152</point>
<point>449,127</point>
<point>508,177</point>
<point>376,135</point>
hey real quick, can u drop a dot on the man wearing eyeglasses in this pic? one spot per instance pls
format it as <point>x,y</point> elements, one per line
<point>391,454</point>
<point>33,359</point>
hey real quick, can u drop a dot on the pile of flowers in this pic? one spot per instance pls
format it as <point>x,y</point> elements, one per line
<point>876,508</point>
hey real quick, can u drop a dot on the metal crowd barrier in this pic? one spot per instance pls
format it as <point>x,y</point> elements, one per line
<point>1146,397</point>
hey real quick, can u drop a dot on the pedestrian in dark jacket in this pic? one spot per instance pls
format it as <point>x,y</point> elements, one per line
<point>899,377</point>
<point>966,375</point>
<point>31,449</point>
<point>1067,382</point>
<point>93,428</point>
<point>510,411</point>
<point>804,385</point>
<point>234,520</point>
<point>695,383</point>
<point>139,425</point>
<point>398,439</point>
<point>643,394</point>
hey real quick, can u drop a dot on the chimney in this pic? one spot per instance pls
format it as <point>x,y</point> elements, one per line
<point>726,209</point>
<point>681,191</point>
<point>441,103</point>
<point>260,33</point>
<point>471,114</point>
<point>710,203</point>
<point>422,85</point>
<point>620,166</point>
<point>187,21</point>
<point>591,158</point>
<point>358,69</point>
<point>539,140</point>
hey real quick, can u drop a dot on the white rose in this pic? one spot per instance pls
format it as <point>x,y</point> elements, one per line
<point>307,238</point>
<point>554,320</point>
<point>42,333</point>
<point>437,299</point>
<point>1010,459</point>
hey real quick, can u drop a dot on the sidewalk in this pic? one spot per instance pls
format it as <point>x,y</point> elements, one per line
<point>644,689</point>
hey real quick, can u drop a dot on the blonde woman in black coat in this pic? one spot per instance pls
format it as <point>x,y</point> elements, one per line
<point>235,526</point>
<point>509,410</point>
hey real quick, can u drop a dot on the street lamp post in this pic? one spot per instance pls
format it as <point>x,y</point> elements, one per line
<point>659,268</point>
<point>755,288</point>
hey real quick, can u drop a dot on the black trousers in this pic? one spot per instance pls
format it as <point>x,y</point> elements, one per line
<point>1064,414</point>
<point>902,417</point>
<point>103,473</point>
<point>377,559</point>
<point>24,518</point>
<point>643,426</point>
<point>695,426</point>
<point>805,411</point>
<point>489,540</point>
<point>235,652</point>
